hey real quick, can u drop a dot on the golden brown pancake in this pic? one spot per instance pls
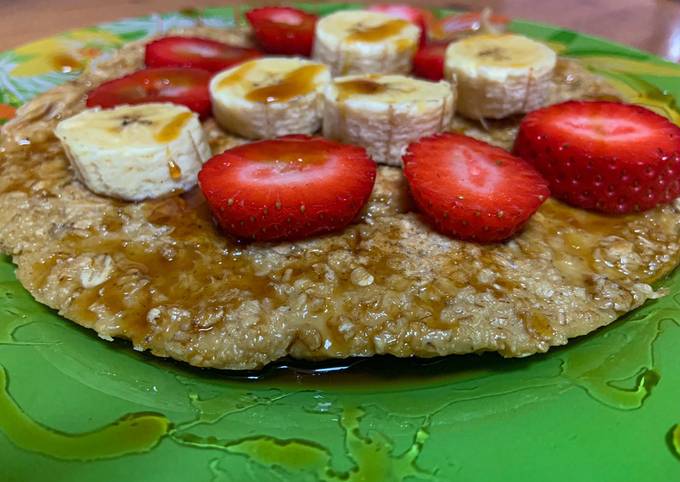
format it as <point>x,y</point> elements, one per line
<point>160,274</point>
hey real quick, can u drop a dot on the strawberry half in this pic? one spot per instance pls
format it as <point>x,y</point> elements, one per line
<point>283,30</point>
<point>606,156</point>
<point>287,188</point>
<point>422,18</point>
<point>188,87</point>
<point>428,62</point>
<point>196,52</point>
<point>472,190</point>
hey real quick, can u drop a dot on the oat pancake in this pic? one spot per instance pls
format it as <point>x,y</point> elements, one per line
<point>160,274</point>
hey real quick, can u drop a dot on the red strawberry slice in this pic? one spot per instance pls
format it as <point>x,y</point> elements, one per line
<point>196,52</point>
<point>187,87</point>
<point>607,156</point>
<point>287,188</point>
<point>472,190</point>
<point>422,18</point>
<point>453,26</point>
<point>428,62</point>
<point>283,30</point>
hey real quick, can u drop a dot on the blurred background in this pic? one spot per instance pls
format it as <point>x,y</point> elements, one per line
<point>651,25</point>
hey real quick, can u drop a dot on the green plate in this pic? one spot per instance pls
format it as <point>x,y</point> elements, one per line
<point>73,407</point>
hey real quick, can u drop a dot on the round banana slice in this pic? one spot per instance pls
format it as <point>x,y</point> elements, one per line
<point>385,113</point>
<point>499,75</point>
<point>270,97</point>
<point>135,152</point>
<point>360,42</point>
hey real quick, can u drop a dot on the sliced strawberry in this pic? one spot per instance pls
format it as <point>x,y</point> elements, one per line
<point>187,87</point>
<point>472,190</point>
<point>428,62</point>
<point>283,30</point>
<point>422,18</point>
<point>287,188</point>
<point>196,52</point>
<point>606,156</point>
<point>454,26</point>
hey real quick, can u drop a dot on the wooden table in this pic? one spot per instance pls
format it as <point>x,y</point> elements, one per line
<point>651,25</point>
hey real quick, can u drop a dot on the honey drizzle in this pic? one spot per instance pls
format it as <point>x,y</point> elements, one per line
<point>237,75</point>
<point>296,83</point>
<point>174,170</point>
<point>226,283</point>
<point>170,131</point>
<point>378,33</point>
<point>364,86</point>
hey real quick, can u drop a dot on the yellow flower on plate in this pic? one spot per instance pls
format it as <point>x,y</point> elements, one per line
<point>64,53</point>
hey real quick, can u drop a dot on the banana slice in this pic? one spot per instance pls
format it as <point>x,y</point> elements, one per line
<point>384,113</point>
<point>499,75</point>
<point>135,152</point>
<point>360,42</point>
<point>269,97</point>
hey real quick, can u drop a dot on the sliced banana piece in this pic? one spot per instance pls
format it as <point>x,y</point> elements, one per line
<point>385,113</point>
<point>360,42</point>
<point>499,74</point>
<point>135,152</point>
<point>270,97</point>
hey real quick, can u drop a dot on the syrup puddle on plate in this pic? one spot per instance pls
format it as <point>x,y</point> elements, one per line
<point>133,433</point>
<point>372,454</point>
